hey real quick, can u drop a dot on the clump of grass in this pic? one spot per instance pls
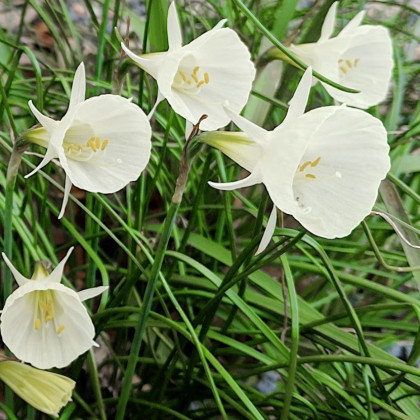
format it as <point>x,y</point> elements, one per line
<point>311,328</point>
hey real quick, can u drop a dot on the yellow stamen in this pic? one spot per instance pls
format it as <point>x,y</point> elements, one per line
<point>343,69</point>
<point>310,176</point>
<point>182,74</point>
<point>79,147</point>
<point>315,162</point>
<point>194,77</point>
<point>200,83</point>
<point>97,142</point>
<point>349,63</point>
<point>104,144</point>
<point>206,77</point>
<point>188,82</point>
<point>196,69</point>
<point>356,62</point>
<point>60,329</point>
<point>37,324</point>
<point>303,166</point>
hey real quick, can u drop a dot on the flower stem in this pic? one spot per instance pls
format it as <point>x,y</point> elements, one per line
<point>154,274</point>
<point>15,158</point>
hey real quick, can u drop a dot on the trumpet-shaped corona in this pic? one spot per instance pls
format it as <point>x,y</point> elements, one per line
<point>359,57</point>
<point>102,143</point>
<point>323,167</point>
<point>54,325</point>
<point>198,78</point>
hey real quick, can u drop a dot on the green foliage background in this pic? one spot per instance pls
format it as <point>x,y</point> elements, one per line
<point>320,315</point>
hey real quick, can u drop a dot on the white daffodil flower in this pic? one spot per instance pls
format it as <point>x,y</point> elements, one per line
<point>199,77</point>
<point>359,57</point>
<point>323,167</point>
<point>46,391</point>
<point>54,326</point>
<point>103,142</point>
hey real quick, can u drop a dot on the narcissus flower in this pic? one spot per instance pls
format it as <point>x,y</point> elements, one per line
<point>102,143</point>
<point>323,167</point>
<point>198,78</point>
<point>46,391</point>
<point>359,57</point>
<point>54,325</point>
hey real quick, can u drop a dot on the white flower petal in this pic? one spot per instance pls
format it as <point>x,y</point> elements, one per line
<point>252,179</point>
<point>352,25</point>
<point>174,28</point>
<point>298,103</point>
<point>151,63</point>
<point>269,231</point>
<point>91,293</point>
<point>67,188</point>
<point>253,131</point>
<point>351,155</point>
<point>371,48</point>
<point>329,22</point>
<point>57,274</point>
<point>123,132</point>
<point>159,99</point>
<point>78,90</point>
<point>283,153</point>
<point>48,123</point>
<point>55,343</point>
<point>50,154</point>
<point>21,280</point>
<point>231,81</point>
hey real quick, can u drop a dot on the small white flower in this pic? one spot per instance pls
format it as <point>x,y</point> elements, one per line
<point>323,167</point>
<point>360,57</point>
<point>198,78</point>
<point>102,143</point>
<point>46,391</point>
<point>43,322</point>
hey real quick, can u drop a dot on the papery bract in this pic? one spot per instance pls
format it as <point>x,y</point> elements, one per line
<point>46,391</point>
<point>359,57</point>
<point>103,142</point>
<point>54,325</point>
<point>199,77</point>
<point>323,167</point>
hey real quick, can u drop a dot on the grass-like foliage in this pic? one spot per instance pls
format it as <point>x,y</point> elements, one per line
<point>194,325</point>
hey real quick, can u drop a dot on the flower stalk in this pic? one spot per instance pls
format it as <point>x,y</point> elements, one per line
<point>19,147</point>
<point>154,273</point>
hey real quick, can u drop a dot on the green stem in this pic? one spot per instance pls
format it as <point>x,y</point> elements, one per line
<point>294,314</point>
<point>147,304</point>
<point>181,183</point>
<point>15,158</point>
